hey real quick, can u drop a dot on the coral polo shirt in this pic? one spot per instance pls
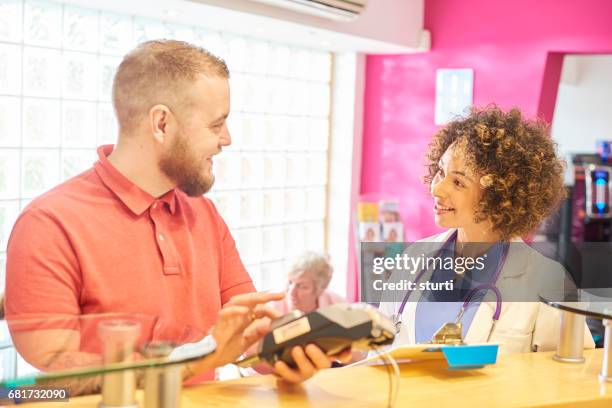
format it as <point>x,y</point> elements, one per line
<point>98,244</point>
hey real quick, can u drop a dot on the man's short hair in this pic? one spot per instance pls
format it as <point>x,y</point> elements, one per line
<point>157,72</point>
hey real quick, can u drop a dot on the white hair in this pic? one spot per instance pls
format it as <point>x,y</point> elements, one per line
<point>315,264</point>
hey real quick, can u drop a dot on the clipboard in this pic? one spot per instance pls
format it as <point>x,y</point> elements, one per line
<point>458,357</point>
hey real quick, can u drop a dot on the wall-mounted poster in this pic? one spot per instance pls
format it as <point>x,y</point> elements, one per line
<point>454,92</point>
<point>369,232</point>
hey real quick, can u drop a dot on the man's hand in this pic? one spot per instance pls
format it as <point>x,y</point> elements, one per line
<point>242,321</point>
<point>308,360</point>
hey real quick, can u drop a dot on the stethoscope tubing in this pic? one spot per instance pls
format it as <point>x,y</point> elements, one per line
<point>471,293</point>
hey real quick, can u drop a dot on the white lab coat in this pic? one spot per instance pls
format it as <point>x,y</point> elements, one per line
<point>522,326</point>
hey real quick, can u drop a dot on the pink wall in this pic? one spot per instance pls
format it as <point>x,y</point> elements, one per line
<point>515,47</point>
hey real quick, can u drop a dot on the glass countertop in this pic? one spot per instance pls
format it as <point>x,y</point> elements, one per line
<point>595,303</point>
<point>69,351</point>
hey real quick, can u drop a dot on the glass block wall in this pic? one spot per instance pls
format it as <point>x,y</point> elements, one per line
<point>56,68</point>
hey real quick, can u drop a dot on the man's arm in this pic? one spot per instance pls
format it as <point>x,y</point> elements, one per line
<point>42,282</point>
<point>42,271</point>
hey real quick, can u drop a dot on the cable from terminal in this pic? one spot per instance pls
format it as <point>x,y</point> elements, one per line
<point>390,363</point>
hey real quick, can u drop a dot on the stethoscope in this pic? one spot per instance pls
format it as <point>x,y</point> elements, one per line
<point>397,317</point>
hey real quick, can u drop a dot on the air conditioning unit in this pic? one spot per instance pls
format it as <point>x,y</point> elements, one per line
<point>342,10</point>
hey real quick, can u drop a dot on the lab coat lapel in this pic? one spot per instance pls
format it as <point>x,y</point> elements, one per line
<point>513,270</point>
<point>407,333</point>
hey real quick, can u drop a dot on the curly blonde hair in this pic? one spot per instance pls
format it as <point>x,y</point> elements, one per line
<point>521,175</point>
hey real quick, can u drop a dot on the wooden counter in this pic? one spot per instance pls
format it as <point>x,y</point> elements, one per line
<point>516,380</point>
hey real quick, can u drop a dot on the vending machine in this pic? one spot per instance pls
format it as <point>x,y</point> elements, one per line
<point>585,233</point>
<point>585,225</point>
<point>591,216</point>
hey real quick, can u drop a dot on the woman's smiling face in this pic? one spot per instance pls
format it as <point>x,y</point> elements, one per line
<point>456,190</point>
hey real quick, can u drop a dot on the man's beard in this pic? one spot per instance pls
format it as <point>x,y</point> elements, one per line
<point>185,169</point>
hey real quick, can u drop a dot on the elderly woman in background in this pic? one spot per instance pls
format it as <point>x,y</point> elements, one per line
<point>307,283</point>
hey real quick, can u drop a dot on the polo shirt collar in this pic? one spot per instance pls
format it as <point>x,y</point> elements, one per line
<point>134,198</point>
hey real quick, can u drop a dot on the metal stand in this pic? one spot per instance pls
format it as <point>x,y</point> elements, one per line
<point>118,338</point>
<point>163,384</point>
<point>606,366</point>
<point>571,339</point>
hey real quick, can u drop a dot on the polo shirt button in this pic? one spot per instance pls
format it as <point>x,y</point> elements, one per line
<point>161,237</point>
<point>154,205</point>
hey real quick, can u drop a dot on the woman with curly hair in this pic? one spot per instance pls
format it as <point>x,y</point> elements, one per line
<point>494,176</point>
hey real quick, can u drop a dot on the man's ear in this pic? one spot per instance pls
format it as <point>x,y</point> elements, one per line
<point>159,118</point>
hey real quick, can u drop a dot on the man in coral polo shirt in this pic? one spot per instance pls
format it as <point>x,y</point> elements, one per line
<point>134,234</point>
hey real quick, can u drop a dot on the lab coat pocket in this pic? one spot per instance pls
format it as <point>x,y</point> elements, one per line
<point>512,342</point>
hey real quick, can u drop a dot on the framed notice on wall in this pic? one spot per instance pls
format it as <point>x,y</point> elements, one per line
<point>454,93</point>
